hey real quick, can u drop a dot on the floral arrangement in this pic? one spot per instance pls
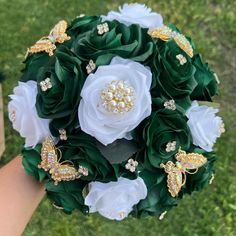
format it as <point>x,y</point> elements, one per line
<point>117,114</point>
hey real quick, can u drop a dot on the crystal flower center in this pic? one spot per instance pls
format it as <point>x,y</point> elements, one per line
<point>118,97</point>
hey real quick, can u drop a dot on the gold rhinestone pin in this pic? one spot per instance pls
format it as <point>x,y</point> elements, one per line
<point>59,171</point>
<point>165,33</point>
<point>47,43</point>
<point>176,172</point>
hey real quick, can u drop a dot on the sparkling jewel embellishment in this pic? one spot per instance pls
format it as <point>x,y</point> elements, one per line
<point>47,43</point>
<point>63,135</point>
<point>181,58</point>
<point>170,105</point>
<point>171,146</point>
<point>90,67</point>
<point>102,28</point>
<point>45,84</point>
<point>59,171</point>
<point>165,33</point>
<point>131,165</point>
<point>118,97</point>
<point>176,172</point>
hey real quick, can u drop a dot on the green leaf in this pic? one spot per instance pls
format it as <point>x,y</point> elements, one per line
<point>118,151</point>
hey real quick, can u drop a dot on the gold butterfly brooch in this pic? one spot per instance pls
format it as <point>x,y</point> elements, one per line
<point>165,33</point>
<point>59,171</point>
<point>47,43</point>
<point>177,171</point>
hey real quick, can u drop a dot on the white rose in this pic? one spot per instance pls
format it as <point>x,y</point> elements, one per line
<point>135,14</point>
<point>115,200</point>
<point>97,116</point>
<point>204,125</point>
<point>23,115</point>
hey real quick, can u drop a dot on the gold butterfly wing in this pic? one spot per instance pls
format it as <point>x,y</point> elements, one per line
<point>49,156</point>
<point>190,161</point>
<point>58,33</point>
<point>174,178</point>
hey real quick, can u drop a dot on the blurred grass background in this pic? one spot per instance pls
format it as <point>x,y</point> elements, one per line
<point>212,26</point>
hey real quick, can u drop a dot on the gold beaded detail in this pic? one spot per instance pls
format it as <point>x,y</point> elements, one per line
<point>118,97</point>
<point>165,33</point>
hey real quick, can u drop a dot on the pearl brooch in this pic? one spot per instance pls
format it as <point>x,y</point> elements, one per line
<point>90,67</point>
<point>181,58</point>
<point>131,165</point>
<point>171,146</point>
<point>170,105</point>
<point>118,97</point>
<point>45,84</point>
<point>102,28</point>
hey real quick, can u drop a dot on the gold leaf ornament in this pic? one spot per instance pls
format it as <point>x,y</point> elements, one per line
<point>176,172</point>
<point>47,43</point>
<point>59,171</point>
<point>165,34</point>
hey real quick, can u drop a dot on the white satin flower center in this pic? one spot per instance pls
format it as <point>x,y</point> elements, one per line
<point>118,97</point>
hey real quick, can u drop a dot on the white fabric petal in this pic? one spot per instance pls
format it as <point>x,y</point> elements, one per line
<point>204,125</point>
<point>27,122</point>
<point>115,200</point>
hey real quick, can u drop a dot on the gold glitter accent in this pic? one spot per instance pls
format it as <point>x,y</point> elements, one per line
<point>211,179</point>
<point>176,177</point>
<point>64,171</point>
<point>45,84</point>
<point>131,165</point>
<point>102,28</point>
<point>47,43</point>
<point>118,97</point>
<point>161,217</point>
<point>165,33</point>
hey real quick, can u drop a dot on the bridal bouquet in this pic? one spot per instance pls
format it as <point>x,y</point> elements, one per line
<point>117,114</point>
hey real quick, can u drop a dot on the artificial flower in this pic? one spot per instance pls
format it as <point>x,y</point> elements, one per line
<point>23,114</point>
<point>113,117</point>
<point>205,126</point>
<point>115,200</point>
<point>135,14</point>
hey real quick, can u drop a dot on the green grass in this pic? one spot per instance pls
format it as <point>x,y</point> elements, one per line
<point>212,27</point>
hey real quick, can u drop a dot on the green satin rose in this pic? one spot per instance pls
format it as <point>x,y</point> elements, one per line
<point>176,79</point>
<point>60,102</point>
<point>162,127</point>
<point>130,42</point>
<point>206,82</point>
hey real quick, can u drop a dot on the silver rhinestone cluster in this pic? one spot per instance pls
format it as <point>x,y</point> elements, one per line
<point>90,67</point>
<point>118,97</point>
<point>63,135</point>
<point>131,165</point>
<point>45,84</point>
<point>170,105</point>
<point>171,146</point>
<point>83,171</point>
<point>182,59</point>
<point>102,28</point>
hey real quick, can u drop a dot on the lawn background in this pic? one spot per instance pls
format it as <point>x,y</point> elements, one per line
<point>212,26</point>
